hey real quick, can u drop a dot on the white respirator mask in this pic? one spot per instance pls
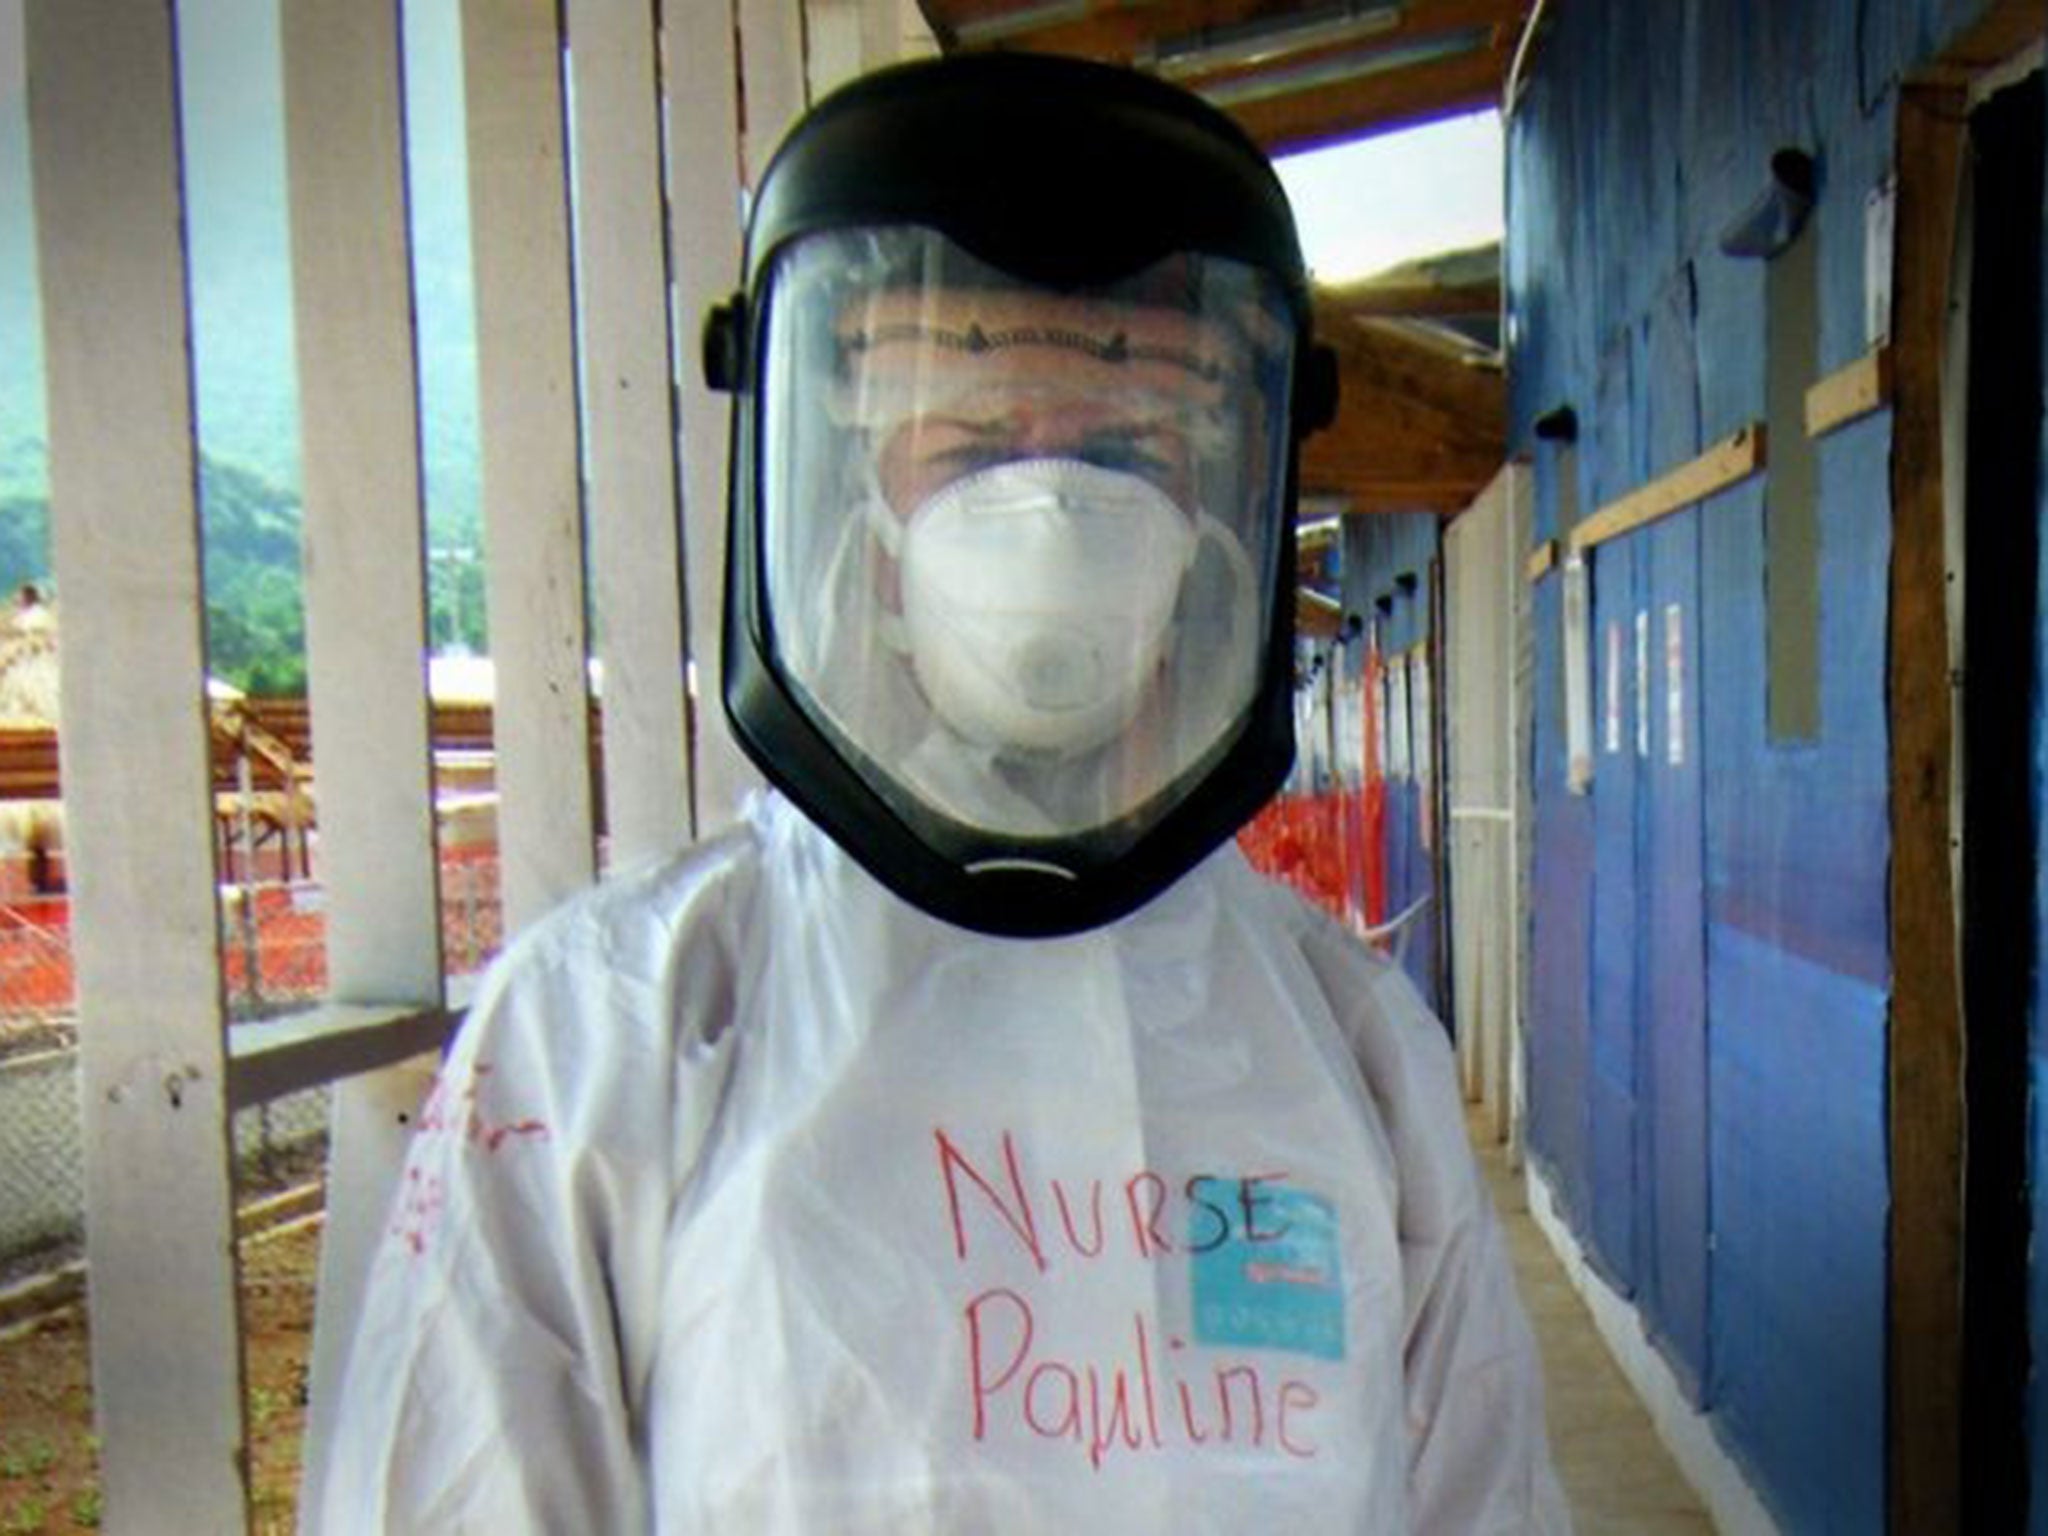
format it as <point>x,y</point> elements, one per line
<point>1038,598</point>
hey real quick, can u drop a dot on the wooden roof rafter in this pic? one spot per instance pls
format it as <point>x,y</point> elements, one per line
<point>1295,74</point>
<point>1418,428</point>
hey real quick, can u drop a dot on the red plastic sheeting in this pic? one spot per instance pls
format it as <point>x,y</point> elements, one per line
<point>1319,844</point>
<point>288,939</point>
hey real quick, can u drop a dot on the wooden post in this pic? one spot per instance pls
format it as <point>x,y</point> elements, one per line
<point>527,414</point>
<point>366,620</point>
<point>1925,1355</point>
<point>634,510</point>
<point>772,64</point>
<point>702,87</point>
<point>166,1343</point>
<point>837,33</point>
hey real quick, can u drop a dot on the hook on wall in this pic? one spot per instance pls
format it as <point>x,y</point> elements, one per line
<point>1774,219</point>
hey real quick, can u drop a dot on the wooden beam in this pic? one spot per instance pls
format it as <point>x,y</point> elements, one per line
<point>314,1046</point>
<point>636,546</point>
<point>1317,617</point>
<point>1849,393</point>
<point>1350,109</point>
<point>1123,33</point>
<point>704,236</point>
<point>366,615</point>
<point>2006,27</point>
<point>1416,429</point>
<point>532,475</point>
<point>771,55</point>
<point>1734,458</point>
<point>1426,387</point>
<point>366,623</point>
<point>1399,96</point>
<point>1542,560</point>
<point>1925,1048</point>
<point>1414,41</point>
<point>110,227</point>
<point>1410,300</point>
<point>1442,498</point>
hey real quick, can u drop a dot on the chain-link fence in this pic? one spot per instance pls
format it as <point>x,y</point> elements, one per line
<point>42,1165</point>
<point>36,1006</point>
<point>274,959</point>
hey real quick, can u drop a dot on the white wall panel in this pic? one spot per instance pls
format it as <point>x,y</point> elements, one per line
<point>527,415</point>
<point>137,777</point>
<point>702,88</point>
<point>366,620</point>
<point>633,505</point>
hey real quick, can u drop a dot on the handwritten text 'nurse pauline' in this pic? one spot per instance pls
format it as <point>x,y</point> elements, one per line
<point>1156,1396</point>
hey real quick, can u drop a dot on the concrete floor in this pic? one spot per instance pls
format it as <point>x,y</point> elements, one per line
<point>1616,1472</point>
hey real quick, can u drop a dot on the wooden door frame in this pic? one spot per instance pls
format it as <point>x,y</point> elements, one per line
<point>1924,1365</point>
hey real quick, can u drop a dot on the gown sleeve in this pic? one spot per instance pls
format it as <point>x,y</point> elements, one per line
<point>496,1377</point>
<point>1479,1460</point>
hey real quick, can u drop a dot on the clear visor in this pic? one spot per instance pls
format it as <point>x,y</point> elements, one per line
<point>1018,546</point>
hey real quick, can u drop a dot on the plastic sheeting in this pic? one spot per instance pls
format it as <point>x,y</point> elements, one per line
<point>1706,1051</point>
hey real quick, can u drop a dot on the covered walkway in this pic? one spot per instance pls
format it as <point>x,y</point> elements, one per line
<point>1618,1475</point>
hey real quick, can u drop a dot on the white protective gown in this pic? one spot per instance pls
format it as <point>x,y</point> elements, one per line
<point>753,1200</point>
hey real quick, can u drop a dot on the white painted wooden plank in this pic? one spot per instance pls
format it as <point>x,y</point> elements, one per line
<point>772,59</point>
<point>909,35</point>
<point>845,38</point>
<point>1481,576</point>
<point>366,632</point>
<point>704,201</point>
<point>1500,1068</point>
<point>533,526</point>
<point>1688,1434</point>
<point>634,509</point>
<point>836,32</point>
<point>310,1047</point>
<point>125,534</point>
<point>366,621</point>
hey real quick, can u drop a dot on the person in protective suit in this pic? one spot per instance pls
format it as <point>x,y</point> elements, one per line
<point>969,1141</point>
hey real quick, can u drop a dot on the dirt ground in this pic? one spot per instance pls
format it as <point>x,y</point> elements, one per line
<point>49,1456</point>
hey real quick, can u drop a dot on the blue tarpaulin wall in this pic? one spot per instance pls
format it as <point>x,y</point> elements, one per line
<point>1709,975</point>
<point>1389,564</point>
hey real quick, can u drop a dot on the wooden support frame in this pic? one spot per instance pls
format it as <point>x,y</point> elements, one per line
<point>773,65</point>
<point>1542,560</point>
<point>704,239</point>
<point>527,417</point>
<point>1850,393</point>
<point>1735,458</point>
<point>1925,1046</point>
<point>312,1047</point>
<point>1926,1410</point>
<point>166,1340</point>
<point>366,626</point>
<point>634,508</point>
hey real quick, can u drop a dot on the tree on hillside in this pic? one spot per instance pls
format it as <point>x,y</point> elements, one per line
<point>24,541</point>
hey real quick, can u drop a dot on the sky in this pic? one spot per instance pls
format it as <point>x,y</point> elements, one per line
<point>239,244</point>
<point>1362,207</point>
<point>21,341</point>
<point>1375,203</point>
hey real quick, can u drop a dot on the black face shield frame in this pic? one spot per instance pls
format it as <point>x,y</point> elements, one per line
<point>1065,175</point>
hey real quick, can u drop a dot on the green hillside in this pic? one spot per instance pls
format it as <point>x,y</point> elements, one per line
<point>256,627</point>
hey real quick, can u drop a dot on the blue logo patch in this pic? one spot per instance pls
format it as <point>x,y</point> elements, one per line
<point>1267,1269</point>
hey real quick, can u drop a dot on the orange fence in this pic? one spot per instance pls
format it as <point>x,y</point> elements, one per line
<point>273,940</point>
<point>1320,845</point>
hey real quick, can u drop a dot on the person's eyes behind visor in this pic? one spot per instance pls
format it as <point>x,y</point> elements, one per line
<point>924,456</point>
